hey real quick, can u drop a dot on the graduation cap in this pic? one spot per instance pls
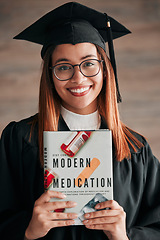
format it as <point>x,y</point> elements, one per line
<point>75,23</point>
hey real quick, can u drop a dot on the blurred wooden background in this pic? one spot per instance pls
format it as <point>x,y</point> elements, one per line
<point>137,54</point>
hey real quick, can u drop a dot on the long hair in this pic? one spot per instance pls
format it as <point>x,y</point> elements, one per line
<point>50,102</point>
<point>108,108</point>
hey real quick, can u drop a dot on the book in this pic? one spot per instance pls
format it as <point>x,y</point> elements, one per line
<point>79,164</point>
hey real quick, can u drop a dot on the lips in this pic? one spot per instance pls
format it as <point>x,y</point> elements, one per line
<point>79,91</point>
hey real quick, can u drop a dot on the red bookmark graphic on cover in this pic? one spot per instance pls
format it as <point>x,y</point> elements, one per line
<point>79,164</point>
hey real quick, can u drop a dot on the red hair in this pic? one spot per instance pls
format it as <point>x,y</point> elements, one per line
<point>50,102</point>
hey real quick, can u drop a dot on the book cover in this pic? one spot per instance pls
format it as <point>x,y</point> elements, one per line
<point>79,164</point>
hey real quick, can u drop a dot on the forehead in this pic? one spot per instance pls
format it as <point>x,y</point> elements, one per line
<point>77,51</point>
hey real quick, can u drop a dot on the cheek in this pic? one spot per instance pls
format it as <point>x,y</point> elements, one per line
<point>100,83</point>
<point>59,86</point>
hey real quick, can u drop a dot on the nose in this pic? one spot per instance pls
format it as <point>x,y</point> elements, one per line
<point>78,77</point>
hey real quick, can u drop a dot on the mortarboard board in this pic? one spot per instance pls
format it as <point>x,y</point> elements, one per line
<point>75,23</point>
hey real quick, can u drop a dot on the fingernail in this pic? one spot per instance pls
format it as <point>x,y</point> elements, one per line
<point>87,215</point>
<point>63,195</point>
<point>85,221</point>
<point>73,203</point>
<point>88,226</point>
<point>97,206</point>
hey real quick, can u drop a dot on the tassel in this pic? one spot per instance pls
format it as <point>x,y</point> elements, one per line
<point>112,56</point>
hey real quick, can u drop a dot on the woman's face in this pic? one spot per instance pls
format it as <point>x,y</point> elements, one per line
<point>79,94</point>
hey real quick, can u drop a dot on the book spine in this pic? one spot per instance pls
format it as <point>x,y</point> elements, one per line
<point>45,167</point>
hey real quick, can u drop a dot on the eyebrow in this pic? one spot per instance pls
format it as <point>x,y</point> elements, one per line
<point>67,60</point>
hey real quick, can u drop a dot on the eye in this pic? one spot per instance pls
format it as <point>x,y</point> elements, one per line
<point>88,64</point>
<point>64,67</point>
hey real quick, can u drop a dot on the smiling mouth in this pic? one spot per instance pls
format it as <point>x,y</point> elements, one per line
<point>79,91</point>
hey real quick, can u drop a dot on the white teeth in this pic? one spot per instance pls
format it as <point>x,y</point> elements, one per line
<point>79,90</point>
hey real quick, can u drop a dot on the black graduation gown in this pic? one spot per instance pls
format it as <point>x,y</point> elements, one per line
<point>136,188</point>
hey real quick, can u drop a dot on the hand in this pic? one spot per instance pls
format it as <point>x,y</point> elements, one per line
<point>43,219</point>
<point>111,221</point>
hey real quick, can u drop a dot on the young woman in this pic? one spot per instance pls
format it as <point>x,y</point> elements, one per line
<point>77,91</point>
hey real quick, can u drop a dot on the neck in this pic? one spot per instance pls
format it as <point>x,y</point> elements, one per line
<point>82,111</point>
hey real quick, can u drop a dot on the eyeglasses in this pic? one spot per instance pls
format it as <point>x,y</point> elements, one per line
<point>65,71</point>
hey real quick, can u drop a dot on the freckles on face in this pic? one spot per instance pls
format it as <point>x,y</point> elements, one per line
<point>79,94</point>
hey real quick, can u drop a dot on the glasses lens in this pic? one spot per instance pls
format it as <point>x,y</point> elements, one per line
<point>63,71</point>
<point>90,67</point>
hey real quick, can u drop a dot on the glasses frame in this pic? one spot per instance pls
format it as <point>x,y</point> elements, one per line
<point>75,65</point>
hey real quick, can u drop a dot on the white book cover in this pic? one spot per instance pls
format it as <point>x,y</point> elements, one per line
<point>79,164</point>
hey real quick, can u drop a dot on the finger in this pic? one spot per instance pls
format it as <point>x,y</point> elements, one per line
<point>45,197</point>
<point>102,220</point>
<point>103,213</point>
<point>63,223</point>
<point>107,227</point>
<point>47,225</point>
<point>51,206</point>
<point>53,216</point>
<point>111,204</point>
